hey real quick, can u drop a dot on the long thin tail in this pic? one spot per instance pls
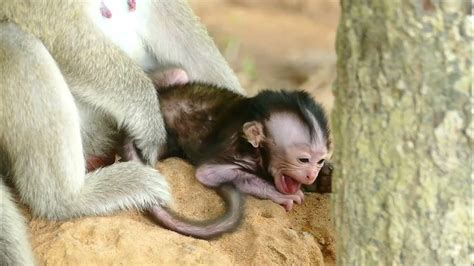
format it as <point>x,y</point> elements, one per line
<point>210,228</point>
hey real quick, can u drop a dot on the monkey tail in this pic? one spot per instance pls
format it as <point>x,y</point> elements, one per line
<point>210,228</point>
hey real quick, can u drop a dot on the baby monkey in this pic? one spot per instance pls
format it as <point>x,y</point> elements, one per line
<point>267,146</point>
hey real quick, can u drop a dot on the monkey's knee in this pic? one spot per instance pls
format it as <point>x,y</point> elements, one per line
<point>123,186</point>
<point>207,176</point>
<point>117,187</point>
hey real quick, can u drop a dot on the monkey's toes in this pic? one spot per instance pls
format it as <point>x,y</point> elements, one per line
<point>287,201</point>
<point>288,205</point>
<point>300,194</point>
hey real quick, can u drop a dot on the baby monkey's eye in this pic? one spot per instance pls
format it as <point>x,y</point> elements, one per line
<point>321,161</point>
<point>303,160</point>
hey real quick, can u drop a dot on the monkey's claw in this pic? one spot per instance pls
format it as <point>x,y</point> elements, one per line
<point>288,205</point>
<point>301,195</point>
<point>288,200</point>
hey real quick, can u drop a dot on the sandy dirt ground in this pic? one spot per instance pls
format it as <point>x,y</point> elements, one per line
<point>270,44</point>
<point>268,234</point>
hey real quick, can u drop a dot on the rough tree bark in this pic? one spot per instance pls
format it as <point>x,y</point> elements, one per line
<point>403,132</point>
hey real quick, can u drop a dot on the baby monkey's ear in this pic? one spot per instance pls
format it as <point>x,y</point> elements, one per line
<point>253,132</point>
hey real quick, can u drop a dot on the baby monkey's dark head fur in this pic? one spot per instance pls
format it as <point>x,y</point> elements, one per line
<point>279,157</point>
<point>286,133</point>
<point>268,102</point>
<point>278,135</point>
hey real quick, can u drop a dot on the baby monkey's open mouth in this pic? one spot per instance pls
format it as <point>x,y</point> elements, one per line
<point>289,185</point>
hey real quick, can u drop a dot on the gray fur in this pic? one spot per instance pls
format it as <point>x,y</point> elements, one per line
<point>68,90</point>
<point>43,143</point>
<point>14,246</point>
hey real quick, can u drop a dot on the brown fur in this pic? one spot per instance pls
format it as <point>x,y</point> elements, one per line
<point>209,125</point>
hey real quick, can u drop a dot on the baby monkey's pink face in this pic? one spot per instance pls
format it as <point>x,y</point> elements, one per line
<point>296,157</point>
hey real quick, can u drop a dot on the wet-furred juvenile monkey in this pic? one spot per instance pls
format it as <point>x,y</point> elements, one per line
<point>62,62</point>
<point>267,145</point>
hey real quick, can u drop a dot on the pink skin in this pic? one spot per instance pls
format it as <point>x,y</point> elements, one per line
<point>107,13</point>
<point>96,162</point>
<point>213,175</point>
<point>104,10</point>
<point>289,177</point>
<point>132,5</point>
<point>296,159</point>
<point>173,76</point>
<point>262,189</point>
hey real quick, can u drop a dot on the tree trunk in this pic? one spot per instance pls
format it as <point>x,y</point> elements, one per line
<point>403,133</point>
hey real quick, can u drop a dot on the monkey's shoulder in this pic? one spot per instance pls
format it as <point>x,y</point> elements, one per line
<point>30,13</point>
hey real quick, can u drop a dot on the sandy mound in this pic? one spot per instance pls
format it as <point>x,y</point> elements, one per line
<point>267,235</point>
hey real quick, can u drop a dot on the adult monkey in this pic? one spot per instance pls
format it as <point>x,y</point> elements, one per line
<point>59,59</point>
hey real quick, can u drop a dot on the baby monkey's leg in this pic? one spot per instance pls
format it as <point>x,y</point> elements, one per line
<point>260,188</point>
<point>214,175</point>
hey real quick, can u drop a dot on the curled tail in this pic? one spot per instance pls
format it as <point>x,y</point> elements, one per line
<point>210,228</point>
